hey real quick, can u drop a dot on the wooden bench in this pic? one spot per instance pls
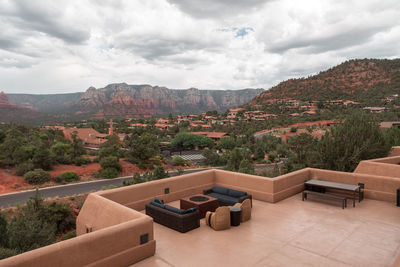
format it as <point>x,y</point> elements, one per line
<point>326,195</point>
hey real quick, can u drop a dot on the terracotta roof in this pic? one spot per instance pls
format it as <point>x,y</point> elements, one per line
<point>211,134</point>
<point>89,136</point>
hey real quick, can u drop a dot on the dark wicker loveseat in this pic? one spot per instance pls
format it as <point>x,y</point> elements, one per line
<point>172,219</point>
<point>227,196</point>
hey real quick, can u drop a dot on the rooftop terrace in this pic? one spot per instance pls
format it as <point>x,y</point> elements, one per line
<point>288,233</point>
<point>283,230</point>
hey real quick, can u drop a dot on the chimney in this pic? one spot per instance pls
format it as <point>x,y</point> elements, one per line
<point>111,129</point>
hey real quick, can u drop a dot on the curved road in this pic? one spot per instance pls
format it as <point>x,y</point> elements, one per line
<point>12,199</point>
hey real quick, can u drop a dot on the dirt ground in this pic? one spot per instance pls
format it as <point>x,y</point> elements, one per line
<point>9,182</point>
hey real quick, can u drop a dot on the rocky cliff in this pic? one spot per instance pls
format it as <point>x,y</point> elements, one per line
<point>123,100</point>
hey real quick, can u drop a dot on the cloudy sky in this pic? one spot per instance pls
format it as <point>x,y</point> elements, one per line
<point>60,46</point>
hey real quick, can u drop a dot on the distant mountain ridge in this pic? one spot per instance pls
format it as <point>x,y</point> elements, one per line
<point>123,100</point>
<point>362,80</point>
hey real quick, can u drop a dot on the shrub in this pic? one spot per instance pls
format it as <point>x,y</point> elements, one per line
<point>69,235</point>
<point>160,173</point>
<point>7,252</point>
<point>111,162</point>
<point>109,173</point>
<point>67,177</point>
<point>293,129</point>
<point>93,153</point>
<point>136,179</point>
<point>82,161</point>
<point>178,161</point>
<point>24,168</point>
<point>96,174</point>
<point>37,176</point>
<point>3,231</point>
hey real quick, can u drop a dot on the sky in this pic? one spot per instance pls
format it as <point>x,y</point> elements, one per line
<point>67,46</point>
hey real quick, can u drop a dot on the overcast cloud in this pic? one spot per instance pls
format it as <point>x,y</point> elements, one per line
<point>68,45</point>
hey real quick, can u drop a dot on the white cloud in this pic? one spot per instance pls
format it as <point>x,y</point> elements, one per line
<point>67,46</point>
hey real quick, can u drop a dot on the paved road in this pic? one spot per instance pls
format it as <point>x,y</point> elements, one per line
<point>78,188</point>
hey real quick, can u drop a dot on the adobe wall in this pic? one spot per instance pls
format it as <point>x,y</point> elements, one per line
<point>99,212</point>
<point>289,184</point>
<point>117,245</point>
<point>136,196</point>
<point>261,188</point>
<point>395,151</point>
<point>383,167</point>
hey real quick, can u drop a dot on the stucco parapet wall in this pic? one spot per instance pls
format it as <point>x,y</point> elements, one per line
<point>395,151</point>
<point>136,196</point>
<point>388,166</point>
<point>112,246</point>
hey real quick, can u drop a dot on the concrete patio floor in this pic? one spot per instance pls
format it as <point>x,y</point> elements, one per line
<point>289,233</point>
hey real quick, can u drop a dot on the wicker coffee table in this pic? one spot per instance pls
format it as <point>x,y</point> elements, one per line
<point>201,202</point>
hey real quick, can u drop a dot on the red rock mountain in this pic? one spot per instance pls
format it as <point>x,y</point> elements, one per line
<point>366,81</point>
<point>123,100</point>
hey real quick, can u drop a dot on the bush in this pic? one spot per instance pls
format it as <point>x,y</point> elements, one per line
<point>69,235</point>
<point>178,161</point>
<point>82,161</point>
<point>24,168</point>
<point>7,252</point>
<point>67,177</point>
<point>136,179</point>
<point>37,176</point>
<point>96,174</point>
<point>212,158</point>
<point>93,153</point>
<point>109,173</point>
<point>160,173</point>
<point>111,162</point>
<point>3,231</point>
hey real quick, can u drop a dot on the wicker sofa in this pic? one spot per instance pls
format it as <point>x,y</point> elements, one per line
<point>173,218</point>
<point>227,196</point>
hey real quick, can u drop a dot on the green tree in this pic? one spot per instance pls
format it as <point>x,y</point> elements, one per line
<point>357,138</point>
<point>212,158</point>
<point>301,144</point>
<point>110,162</point>
<point>259,153</point>
<point>62,153</point>
<point>141,149</point>
<point>43,158</point>
<point>28,229</point>
<point>227,143</point>
<point>190,141</point>
<point>246,167</point>
<point>77,146</point>
<point>235,158</point>
<point>111,148</point>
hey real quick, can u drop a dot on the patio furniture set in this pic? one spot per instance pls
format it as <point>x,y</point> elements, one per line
<point>333,190</point>
<point>222,208</point>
